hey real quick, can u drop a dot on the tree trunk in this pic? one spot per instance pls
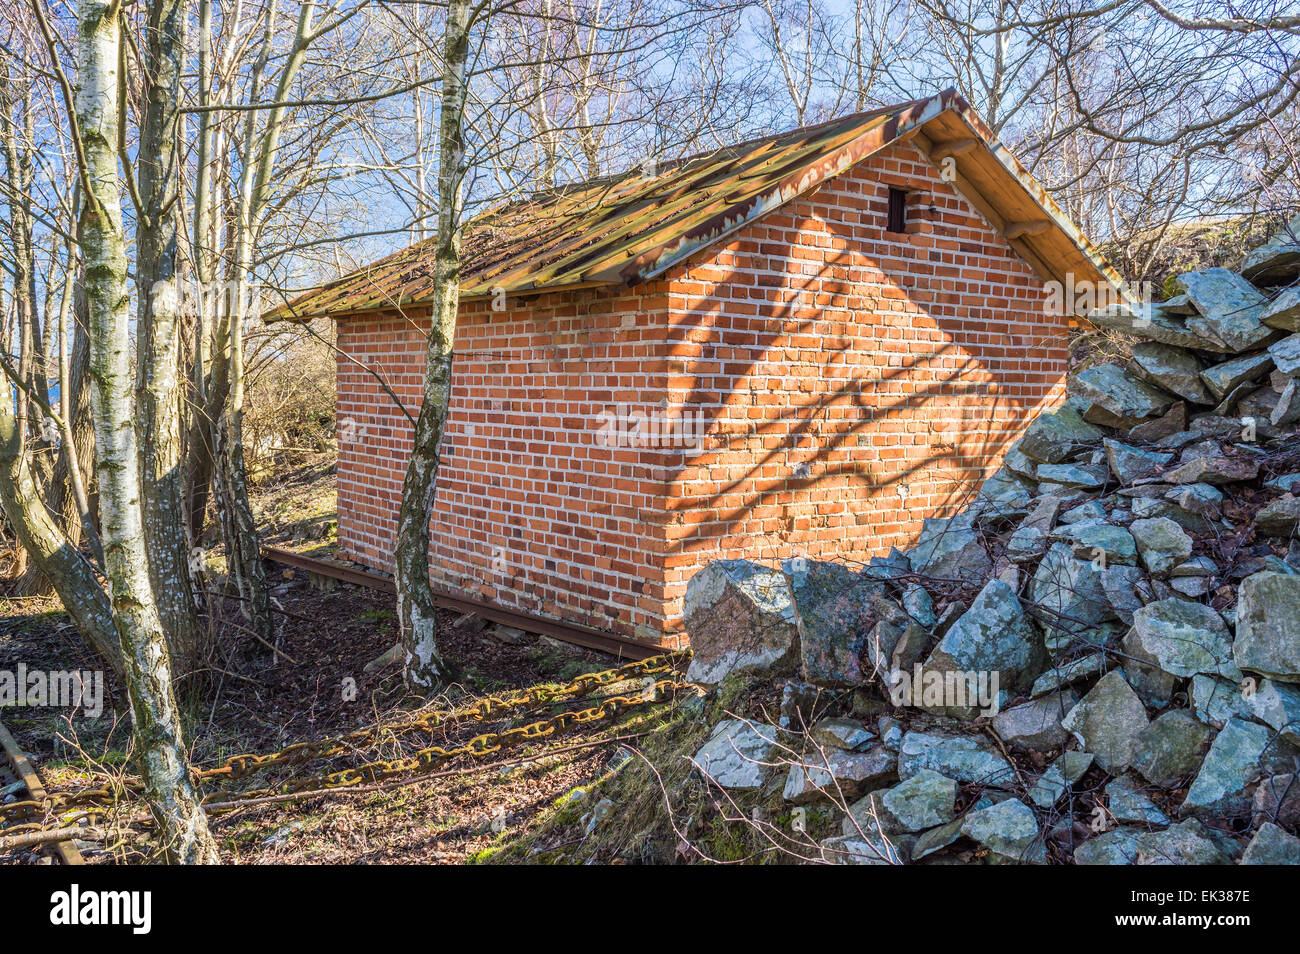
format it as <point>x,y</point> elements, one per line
<point>159,748</point>
<point>158,384</point>
<point>51,553</point>
<point>415,607</point>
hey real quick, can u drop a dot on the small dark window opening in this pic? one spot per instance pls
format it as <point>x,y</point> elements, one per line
<point>897,210</point>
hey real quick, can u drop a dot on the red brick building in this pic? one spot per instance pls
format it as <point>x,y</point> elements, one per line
<point>803,344</point>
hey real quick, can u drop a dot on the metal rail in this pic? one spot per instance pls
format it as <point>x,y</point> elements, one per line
<point>585,636</point>
<point>66,851</point>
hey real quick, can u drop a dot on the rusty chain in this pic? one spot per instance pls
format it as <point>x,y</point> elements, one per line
<point>241,766</point>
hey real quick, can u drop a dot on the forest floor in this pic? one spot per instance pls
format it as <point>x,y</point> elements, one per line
<point>314,685</point>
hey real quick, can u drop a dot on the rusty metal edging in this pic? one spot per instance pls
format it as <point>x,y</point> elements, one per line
<point>68,852</point>
<point>585,636</point>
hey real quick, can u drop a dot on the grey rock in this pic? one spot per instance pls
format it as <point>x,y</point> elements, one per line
<point>1055,436</point>
<point>838,774</point>
<point>1069,673</point>
<point>855,849</point>
<point>1286,355</point>
<point>936,839</point>
<point>1026,544</point>
<point>1036,725</point>
<point>1163,427</point>
<point>1073,475</point>
<point>1287,483</point>
<point>1287,409</point>
<point>1283,312</point>
<point>1208,464</point>
<point>1124,587</point>
<point>1107,722</point>
<point>1009,830</point>
<point>965,758</point>
<point>1113,397</point>
<point>842,733</point>
<point>1268,626</point>
<point>1203,500</point>
<point>1230,308</point>
<point>1277,261</point>
<point>1187,843</point>
<point>1232,764</point>
<point>951,547</point>
<point>923,801</point>
<point>1272,846</point>
<point>1099,542</point>
<point>1154,686</point>
<point>1089,512</point>
<point>834,609</point>
<point>1161,543</point>
<point>1128,803</point>
<point>1215,701</point>
<point>1170,748</point>
<point>1060,775</point>
<point>919,606</point>
<point>1185,638</point>
<point>1069,593</point>
<point>1222,378</point>
<point>994,635</point>
<point>1129,463</point>
<point>739,754</point>
<point>1020,463</point>
<point>1277,799</point>
<point>740,619</point>
<point>1119,846</point>
<point>1279,518</point>
<point>1173,369</point>
<point>1154,323</point>
<point>1277,705</point>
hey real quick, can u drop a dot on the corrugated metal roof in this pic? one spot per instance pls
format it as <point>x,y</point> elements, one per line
<point>634,227</point>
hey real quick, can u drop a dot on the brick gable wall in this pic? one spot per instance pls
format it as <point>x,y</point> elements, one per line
<point>809,367</point>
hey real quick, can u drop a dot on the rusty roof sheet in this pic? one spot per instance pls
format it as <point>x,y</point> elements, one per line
<point>630,228</point>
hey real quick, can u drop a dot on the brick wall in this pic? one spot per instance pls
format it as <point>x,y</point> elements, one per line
<point>538,507</point>
<point>840,363</point>
<point>807,368</point>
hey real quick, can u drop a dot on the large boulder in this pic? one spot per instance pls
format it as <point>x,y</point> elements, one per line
<point>1174,369</point>
<point>1268,626</point>
<point>740,754</point>
<point>1055,436</point>
<point>1185,638</point>
<point>839,775</point>
<point>1112,397</point>
<point>1068,593</point>
<point>1107,722</point>
<point>740,619</point>
<point>952,548</point>
<point>1036,725</point>
<point>994,636</point>
<point>1161,543</point>
<point>1009,830</point>
<point>834,610</point>
<point>972,759</point>
<point>1229,308</point>
<point>1272,846</point>
<point>1277,261</point>
<point>1231,765</point>
<point>1170,748</point>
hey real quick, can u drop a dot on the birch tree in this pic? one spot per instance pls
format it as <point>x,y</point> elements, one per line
<point>159,748</point>
<point>416,611</point>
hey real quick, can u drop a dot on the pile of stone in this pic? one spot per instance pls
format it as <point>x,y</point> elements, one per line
<point>1098,660</point>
